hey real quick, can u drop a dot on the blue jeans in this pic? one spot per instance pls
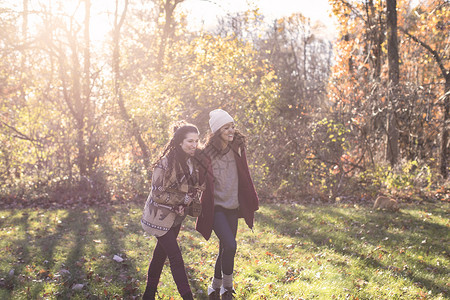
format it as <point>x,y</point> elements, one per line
<point>225,227</point>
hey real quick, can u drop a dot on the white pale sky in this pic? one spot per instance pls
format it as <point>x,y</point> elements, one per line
<point>200,13</point>
<point>206,11</point>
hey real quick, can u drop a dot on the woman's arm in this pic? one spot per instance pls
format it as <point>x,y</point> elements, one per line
<point>158,192</point>
<point>162,195</point>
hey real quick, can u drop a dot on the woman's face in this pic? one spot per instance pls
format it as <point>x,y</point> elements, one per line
<point>227,132</point>
<point>190,143</point>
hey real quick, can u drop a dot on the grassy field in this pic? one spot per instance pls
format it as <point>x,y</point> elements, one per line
<point>294,252</point>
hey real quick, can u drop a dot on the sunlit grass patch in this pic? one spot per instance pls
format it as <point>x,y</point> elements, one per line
<point>293,252</point>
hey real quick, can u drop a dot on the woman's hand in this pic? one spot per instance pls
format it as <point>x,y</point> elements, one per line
<point>179,210</point>
<point>188,199</point>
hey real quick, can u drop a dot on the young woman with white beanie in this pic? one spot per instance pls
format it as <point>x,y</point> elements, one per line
<point>230,194</point>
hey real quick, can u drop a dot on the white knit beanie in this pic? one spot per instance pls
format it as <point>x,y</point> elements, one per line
<point>218,118</point>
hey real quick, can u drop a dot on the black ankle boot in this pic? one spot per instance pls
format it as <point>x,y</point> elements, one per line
<point>188,296</point>
<point>229,294</point>
<point>149,294</point>
<point>214,295</point>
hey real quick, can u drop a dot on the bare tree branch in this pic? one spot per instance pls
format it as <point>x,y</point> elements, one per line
<point>433,52</point>
<point>19,135</point>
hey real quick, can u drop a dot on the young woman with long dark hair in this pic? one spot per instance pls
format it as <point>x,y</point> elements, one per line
<point>175,187</point>
<point>230,194</point>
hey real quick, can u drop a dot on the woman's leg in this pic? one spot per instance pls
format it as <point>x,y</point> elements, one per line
<point>173,252</point>
<point>225,227</point>
<point>156,266</point>
<point>154,271</point>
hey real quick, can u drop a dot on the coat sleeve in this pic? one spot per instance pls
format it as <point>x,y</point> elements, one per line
<point>253,198</point>
<point>248,198</point>
<point>205,221</point>
<point>158,192</point>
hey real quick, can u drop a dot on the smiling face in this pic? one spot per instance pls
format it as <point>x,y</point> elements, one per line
<point>190,143</point>
<point>226,133</point>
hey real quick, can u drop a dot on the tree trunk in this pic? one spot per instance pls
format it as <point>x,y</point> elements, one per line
<point>443,151</point>
<point>25,21</point>
<point>78,109</point>
<point>87,84</point>
<point>169,7</point>
<point>392,150</point>
<point>117,92</point>
<point>378,39</point>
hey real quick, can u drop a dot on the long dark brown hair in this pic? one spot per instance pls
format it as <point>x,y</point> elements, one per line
<point>213,145</point>
<point>172,150</point>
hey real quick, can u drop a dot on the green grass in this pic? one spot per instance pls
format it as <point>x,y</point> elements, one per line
<point>294,252</point>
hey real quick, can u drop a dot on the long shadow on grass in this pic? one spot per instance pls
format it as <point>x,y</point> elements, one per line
<point>424,237</point>
<point>26,254</point>
<point>75,257</point>
<point>42,246</point>
<point>396,231</point>
<point>72,234</point>
<point>343,231</point>
<point>47,243</point>
<point>109,272</point>
<point>126,271</point>
<point>36,254</point>
<point>22,250</point>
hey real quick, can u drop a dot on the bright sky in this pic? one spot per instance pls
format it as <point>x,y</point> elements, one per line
<point>199,12</point>
<point>206,11</point>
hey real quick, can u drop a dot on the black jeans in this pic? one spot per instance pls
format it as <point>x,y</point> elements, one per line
<point>225,227</point>
<point>167,246</point>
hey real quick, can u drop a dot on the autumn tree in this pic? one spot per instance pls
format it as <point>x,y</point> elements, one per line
<point>369,86</point>
<point>355,86</point>
<point>392,150</point>
<point>426,26</point>
<point>133,127</point>
<point>301,58</point>
<point>56,111</point>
